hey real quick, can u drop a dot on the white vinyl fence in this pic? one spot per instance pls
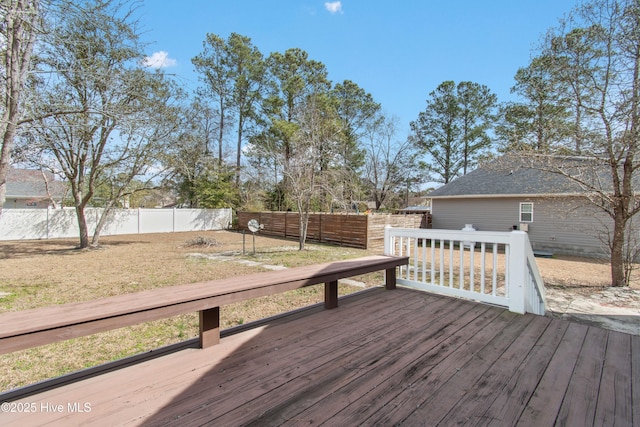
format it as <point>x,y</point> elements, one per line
<point>18,224</point>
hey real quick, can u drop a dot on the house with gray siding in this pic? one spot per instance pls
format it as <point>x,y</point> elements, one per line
<point>30,188</point>
<point>503,196</point>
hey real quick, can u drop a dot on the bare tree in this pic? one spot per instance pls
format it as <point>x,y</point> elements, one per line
<point>191,152</point>
<point>133,164</point>
<point>18,36</point>
<point>92,56</point>
<point>313,144</point>
<point>389,164</point>
<point>595,56</point>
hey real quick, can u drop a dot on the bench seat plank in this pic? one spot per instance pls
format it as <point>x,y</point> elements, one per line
<point>39,326</point>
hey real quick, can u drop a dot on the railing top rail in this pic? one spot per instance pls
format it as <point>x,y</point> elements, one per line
<point>537,277</point>
<point>503,237</point>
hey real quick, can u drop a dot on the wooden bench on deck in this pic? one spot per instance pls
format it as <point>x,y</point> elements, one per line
<point>40,326</point>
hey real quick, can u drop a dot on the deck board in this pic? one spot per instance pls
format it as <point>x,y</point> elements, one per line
<point>579,405</point>
<point>635,380</point>
<point>547,398</point>
<point>471,406</point>
<point>341,372</point>
<point>381,358</point>
<point>615,385</point>
<point>459,378</point>
<point>289,359</point>
<point>400,397</point>
<point>508,404</point>
<point>353,401</point>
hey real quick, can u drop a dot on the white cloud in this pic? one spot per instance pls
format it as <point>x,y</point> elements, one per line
<point>333,6</point>
<point>159,60</point>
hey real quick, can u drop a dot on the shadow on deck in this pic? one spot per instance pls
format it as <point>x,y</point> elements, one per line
<point>381,358</point>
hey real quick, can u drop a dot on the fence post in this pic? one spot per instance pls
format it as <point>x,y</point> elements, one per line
<point>517,265</point>
<point>173,223</point>
<point>388,247</point>
<point>48,219</point>
<point>366,231</point>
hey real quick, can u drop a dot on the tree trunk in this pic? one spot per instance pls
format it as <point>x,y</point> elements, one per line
<point>221,134</point>
<point>20,20</point>
<point>378,203</point>
<point>95,240</point>
<point>239,148</point>
<point>304,224</point>
<point>617,253</point>
<point>82,225</point>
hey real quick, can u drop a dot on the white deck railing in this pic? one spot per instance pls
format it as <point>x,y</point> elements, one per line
<point>492,267</point>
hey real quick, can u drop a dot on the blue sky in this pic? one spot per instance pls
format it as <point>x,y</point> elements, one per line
<point>399,51</point>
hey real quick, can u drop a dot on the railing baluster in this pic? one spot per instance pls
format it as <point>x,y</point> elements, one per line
<point>494,278</point>
<point>507,253</point>
<point>472,267</point>
<point>433,261</point>
<point>483,247</point>
<point>424,260</point>
<point>461,272</point>
<point>441,262</point>
<point>401,253</point>
<point>451,263</point>
<point>409,254</point>
<point>415,259</point>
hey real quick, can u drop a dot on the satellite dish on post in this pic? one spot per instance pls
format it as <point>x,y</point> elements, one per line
<point>254,226</point>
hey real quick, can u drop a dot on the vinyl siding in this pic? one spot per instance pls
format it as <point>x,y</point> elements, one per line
<point>564,226</point>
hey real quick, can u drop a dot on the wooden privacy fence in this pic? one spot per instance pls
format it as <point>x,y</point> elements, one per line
<point>353,230</point>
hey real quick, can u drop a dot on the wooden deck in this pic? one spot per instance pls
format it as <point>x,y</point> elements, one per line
<point>382,358</point>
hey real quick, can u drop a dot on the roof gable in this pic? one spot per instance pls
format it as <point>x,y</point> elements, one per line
<point>29,183</point>
<point>511,176</point>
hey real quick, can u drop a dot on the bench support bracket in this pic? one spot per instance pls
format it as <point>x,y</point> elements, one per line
<point>209,327</point>
<point>331,294</point>
<point>390,278</point>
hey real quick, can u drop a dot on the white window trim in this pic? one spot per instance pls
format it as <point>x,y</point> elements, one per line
<point>520,212</point>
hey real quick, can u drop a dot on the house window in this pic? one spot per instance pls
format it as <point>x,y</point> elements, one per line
<point>526,212</point>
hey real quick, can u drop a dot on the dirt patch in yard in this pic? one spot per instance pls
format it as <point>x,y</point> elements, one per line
<point>577,289</point>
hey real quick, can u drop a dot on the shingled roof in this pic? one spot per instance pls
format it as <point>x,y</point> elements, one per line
<point>30,184</point>
<point>510,176</point>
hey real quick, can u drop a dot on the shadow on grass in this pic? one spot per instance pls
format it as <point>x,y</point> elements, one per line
<point>29,248</point>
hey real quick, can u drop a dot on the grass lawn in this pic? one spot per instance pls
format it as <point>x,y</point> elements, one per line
<point>47,272</point>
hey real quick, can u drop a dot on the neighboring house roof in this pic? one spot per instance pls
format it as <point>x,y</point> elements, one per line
<point>511,176</point>
<point>415,209</point>
<point>418,201</point>
<point>31,184</point>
